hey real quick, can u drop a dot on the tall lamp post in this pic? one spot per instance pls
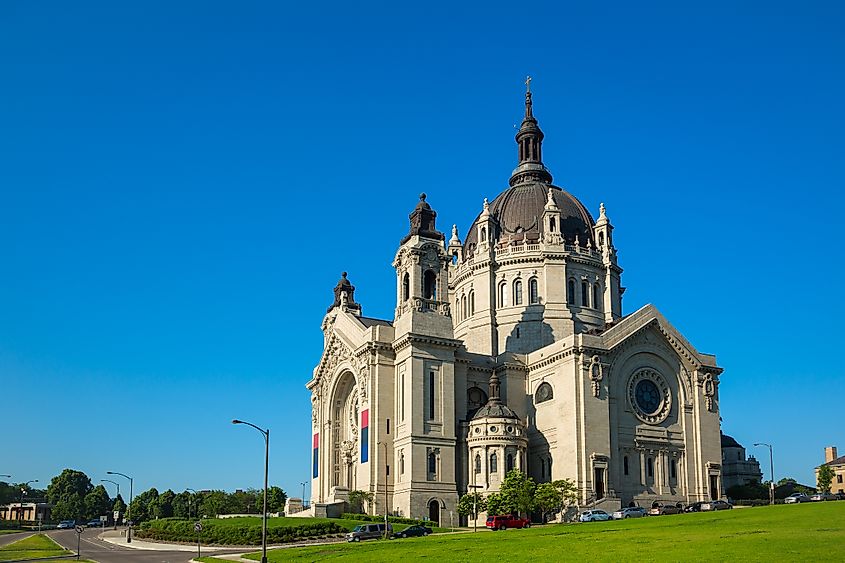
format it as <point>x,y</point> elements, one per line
<point>116,484</point>
<point>386,477</point>
<point>266,434</point>
<point>772,469</point>
<point>20,508</point>
<point>190,502</point>
<point>474,503</point>
<point>129,508</point>
<point>304,483</point>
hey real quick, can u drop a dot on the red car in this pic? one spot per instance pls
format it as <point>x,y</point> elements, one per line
<point>505,522</point>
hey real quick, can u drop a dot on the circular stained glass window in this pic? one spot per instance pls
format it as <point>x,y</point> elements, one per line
<point>493,429</point>
<point>648,396</point>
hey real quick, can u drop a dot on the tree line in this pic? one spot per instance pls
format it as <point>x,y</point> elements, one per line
<point>74,497</point>
<point>519,494</point>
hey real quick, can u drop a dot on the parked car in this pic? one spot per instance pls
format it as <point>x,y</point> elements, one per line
<point>822,496</point>
<point>368,532</point>
<point>658,509</point>
<point>840,495</point>
<point>94,524</point>
<point>629,512</point>
<point>796,498</point>
<point>505,522</point>
<point>412,531</point>
<point>594,516</point>
<point>66,525</point>
<point>694,507</point>
<point>715,505</point>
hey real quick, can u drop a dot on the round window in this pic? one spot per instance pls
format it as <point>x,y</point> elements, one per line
<point>477,430</point>
<point>510,429</point>
<point>649,396</point>
<point>493,429</point>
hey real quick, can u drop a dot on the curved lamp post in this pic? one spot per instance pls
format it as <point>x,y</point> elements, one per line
<point>20,508</point>
<point>266,434</point>
<point>190,502</point>
<point>116,484</point>
<point>771,468</point>
<point>129,508</point>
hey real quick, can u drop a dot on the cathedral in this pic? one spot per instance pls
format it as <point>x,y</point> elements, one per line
<point>510,350</point>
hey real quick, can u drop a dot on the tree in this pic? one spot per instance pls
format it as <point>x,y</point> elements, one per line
<point>357,500</point>
<point>212,504</point>
<point>97,503</point>
<point>555,496</point>
<point>517,492</point>
<point>143,507</point>
<point>184,505</point>
<point>119,505</point>
<point>496,504</point>
<point>471,504</point>
<point>67,492</point>
<point>164,504</point>
<point>824,478</point>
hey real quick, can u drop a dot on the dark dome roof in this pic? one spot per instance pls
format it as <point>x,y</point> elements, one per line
<point>495,409</point>
<point>519,209</point>
<point>729,442</point>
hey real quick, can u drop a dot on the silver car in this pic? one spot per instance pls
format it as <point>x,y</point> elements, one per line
<point>796,498</point>
<point>629,512</point>
<point>822,496</point>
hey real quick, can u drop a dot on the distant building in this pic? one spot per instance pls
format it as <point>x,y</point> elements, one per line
<point>32,511</point>
<point>837,463</point>
<point>736,468</point>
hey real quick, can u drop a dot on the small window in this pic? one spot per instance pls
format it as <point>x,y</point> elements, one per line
<point>494,463</point>
<point>387,470</point>
<point>483,234</point>
<point>406,287</point>
<point>431,382</point>
<point>544,393</point>
<point>552,224</point>
<point>517,292</point>
<point>649,467</point>
<point>601,239</point>
<point>432,463</point>
<point>388,425</point>
<point>596,296</point>
<point>471,303</point>
<point>585,294</point>
<point>509,463</point>
<point>542,469</point>
<point>464,307</point>
<point>533,292</point>
<point>839,478</point>
<point>570,292</point>
<point>673,470</point>
<point>402,463</point>
<point>477,463</point>
<point>430,285</point>
<point>503,294</point>
<point>625,465</point>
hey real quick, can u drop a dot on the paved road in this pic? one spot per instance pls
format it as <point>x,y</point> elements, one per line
<point>91,547</point>
<point>9,538</point>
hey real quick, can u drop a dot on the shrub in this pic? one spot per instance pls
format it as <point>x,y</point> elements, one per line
<point>237,532</point>
<point>377,518</point>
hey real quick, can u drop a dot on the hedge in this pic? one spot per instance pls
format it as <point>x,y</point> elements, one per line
<point>176,530</point>
<point>377,518</point>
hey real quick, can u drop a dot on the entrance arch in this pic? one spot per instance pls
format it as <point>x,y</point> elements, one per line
<point>434,511</point>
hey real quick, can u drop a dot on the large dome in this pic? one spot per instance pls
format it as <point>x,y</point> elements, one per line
<point>519,213</point>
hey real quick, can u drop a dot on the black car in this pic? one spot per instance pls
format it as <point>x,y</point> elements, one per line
<point>413,531</point>
<point>694,507</point>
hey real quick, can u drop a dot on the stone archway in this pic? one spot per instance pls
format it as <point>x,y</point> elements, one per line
<point>344,420</point>
<point>434,511</point>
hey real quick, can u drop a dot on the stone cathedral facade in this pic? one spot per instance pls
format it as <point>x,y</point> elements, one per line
<point>510,350</point>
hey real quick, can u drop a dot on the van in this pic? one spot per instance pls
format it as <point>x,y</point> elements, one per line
<point>368,532</point>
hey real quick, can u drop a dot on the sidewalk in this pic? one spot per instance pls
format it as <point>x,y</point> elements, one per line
<point>118,537</point>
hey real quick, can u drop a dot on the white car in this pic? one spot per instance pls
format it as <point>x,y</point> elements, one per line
<point>629,512</point>
<point>594,516</point>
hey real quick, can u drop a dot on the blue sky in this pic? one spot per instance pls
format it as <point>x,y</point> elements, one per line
<point>181,185</point>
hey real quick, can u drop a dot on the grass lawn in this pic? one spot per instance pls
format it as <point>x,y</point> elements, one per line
<point>33,547</point>
<point>284,522</point>
<point>803,532</point>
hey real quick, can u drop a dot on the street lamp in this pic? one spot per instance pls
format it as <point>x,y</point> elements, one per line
<point>190,502</point>
<point>129,508</point>
<point>116,484</point>
<point>20,508</point>
<point>386,477</point>
<point>266,434</point>
<point>772,468</point>
<point>474,502</point>
<point>304,483</point>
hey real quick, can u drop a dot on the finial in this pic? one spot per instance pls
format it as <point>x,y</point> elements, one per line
<point>455,240</point>
<point>528,84</point>
<point>422,196</point>
<point>529,114</point>
<point>343,275</point>
<point>486,205</point>
<point>602,210</point>
<point>485,212</point>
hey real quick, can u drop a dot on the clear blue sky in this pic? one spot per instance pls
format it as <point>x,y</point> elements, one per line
<point>181,185</point>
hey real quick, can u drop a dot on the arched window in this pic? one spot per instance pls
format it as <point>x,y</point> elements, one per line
<point>401,463</point>
<point>503,294</point>
<point>483,234</point>
<point>463,307</point>
<point>406,287</point>
<point>533,292</point>
<point>509,463</point>
<point>471,303</point>
<point>430,285</point>
<point>494,463</point>
<point>649,467</point>
<point>570,292</point>
<point>552,224</point>
<point>477,463</point>
<point>517,292</point>
<point>673,470</point>
<point>476,398</point>
<point>585,294</point>
<point>625,465</point>
<point>596,296</point>
<point>544,393</point>
<point>601,239</point>
<point>432,463</point>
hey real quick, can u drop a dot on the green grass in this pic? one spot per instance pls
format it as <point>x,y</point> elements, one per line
<point>33,547</point>
<point>804,532</point>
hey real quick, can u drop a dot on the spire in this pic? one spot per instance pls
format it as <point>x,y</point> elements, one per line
<point>455,240</point>
<point>529,139</point>
<point>422,222</point>
<point>495,397</point>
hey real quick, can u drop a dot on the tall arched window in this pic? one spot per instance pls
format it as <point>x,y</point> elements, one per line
<point>570,292</point>
<point>585,294</point>
<point>533,292</point>
<point>463,307</point>
<point>477,463</point>
<point>401,463</point>
<point>503,294</point>
<point>552,224</point>
<point>649,467</point>
<point>406,287</point>
<point>517,292</point>
<point>673,470</point>
<point>494,463</point>
<point>596,296</point>
<point>432,463</point>
<point>471,303</point>
<point>509,463</point>
<point>430,285</point>
<point>483,234</point>
<point>601,239</point>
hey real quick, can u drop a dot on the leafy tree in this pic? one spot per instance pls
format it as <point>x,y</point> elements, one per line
<point>212,504</point>
<point>357,500</point>
<point>471,501</point>
<point>67,492</point>
<point>517,492</point>
<point>165,504</point>
<point>824,478</point>
<point>184,505</point>
<point>119,505</point>
<point>143,507</point>
<point>97,503</point>
<point>496,504</point>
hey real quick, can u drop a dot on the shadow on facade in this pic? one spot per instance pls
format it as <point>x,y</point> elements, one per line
<point>531,332</point>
